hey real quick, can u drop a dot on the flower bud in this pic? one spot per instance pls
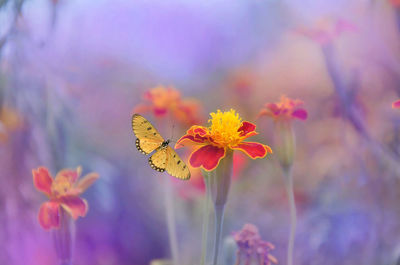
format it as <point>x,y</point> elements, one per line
<point>285,145</point>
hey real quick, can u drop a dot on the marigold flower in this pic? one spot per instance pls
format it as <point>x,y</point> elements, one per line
<point>285,109</point>
<point>396,104</point>
<point>327,30</point>
<point>167,100</point>
<point>63,191</point>
<point>226,131</point>
<point>251,245</point>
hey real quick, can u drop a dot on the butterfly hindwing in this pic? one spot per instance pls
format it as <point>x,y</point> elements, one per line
<point>175,165</point>
<point>158,161</point>
<point>148,138</point>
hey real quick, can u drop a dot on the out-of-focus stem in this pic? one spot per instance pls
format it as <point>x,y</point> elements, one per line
<point>206,218</point>
<point>219,217</point>
<point>293,218</point>
<point>169,211</point>
<point>63,238</point>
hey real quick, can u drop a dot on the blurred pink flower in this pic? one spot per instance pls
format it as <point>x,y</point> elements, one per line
<point>63,191</point>
<point>396,104</point>
<point>251,245</point>
<point>327,30</point>
<point>285,109</point>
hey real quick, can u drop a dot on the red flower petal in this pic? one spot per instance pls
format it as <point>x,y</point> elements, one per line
<point>49,215</point>
<point>207,157</point>
<point>253,150</point>
<point>200,131</point>
<point>247,129</point>
<point>190,140</point>
<point>396,104</point>
<point>300,114</point>
<point>74,205</point>
<point>42,180</point>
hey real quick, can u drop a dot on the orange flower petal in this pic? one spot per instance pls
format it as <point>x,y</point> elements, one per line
<point>86,181</point>
<point>207,157</point>
<point>253,150</point>
<point>49,215</point>
<point>42,180</point>
<point>74,205</point>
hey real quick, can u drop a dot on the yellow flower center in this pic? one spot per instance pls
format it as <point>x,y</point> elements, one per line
<point>61,185</point>
<point>224,127</point>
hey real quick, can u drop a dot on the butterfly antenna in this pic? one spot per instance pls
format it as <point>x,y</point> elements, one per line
<point>172,134</point>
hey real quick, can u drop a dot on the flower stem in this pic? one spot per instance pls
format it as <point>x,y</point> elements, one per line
<point>173,242</point>
<point>64,237</point>
<point>206,218</point>
<point>219,216</point>
<point>293,219</point>
<point>219,186</point>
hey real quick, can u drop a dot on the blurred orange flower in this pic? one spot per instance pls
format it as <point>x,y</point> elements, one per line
<point>396,104</point>
<point>226,131</point>
<point>9,121</point>
<point>285,109</point>
<point>63,191</point>
<point>326,30</point>
<point>163,100</point>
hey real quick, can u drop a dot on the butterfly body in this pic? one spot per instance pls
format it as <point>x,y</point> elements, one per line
<point>163,157</point>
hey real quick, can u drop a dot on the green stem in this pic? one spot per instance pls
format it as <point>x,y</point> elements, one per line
<point>206,218</point>
<point>219,187</point>
<point>219,216</point>
<point>293,219</point>
<point>173,242</point>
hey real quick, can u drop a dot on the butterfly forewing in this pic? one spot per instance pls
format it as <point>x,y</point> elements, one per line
<point>148,138</point>
<point>175,166</point>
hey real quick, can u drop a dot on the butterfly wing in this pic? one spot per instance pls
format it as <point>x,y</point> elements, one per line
<point>175,166</point>
<point>158,161</point>
<point>148,138</point>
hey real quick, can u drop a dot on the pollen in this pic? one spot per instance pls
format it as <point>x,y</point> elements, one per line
<point>224,127</point>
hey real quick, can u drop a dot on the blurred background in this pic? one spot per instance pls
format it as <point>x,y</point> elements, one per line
<point>72,72</point>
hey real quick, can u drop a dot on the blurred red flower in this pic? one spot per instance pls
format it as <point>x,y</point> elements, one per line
<point>63,191</point>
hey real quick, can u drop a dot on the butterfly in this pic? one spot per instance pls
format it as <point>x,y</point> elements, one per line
<point>164,157</point>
